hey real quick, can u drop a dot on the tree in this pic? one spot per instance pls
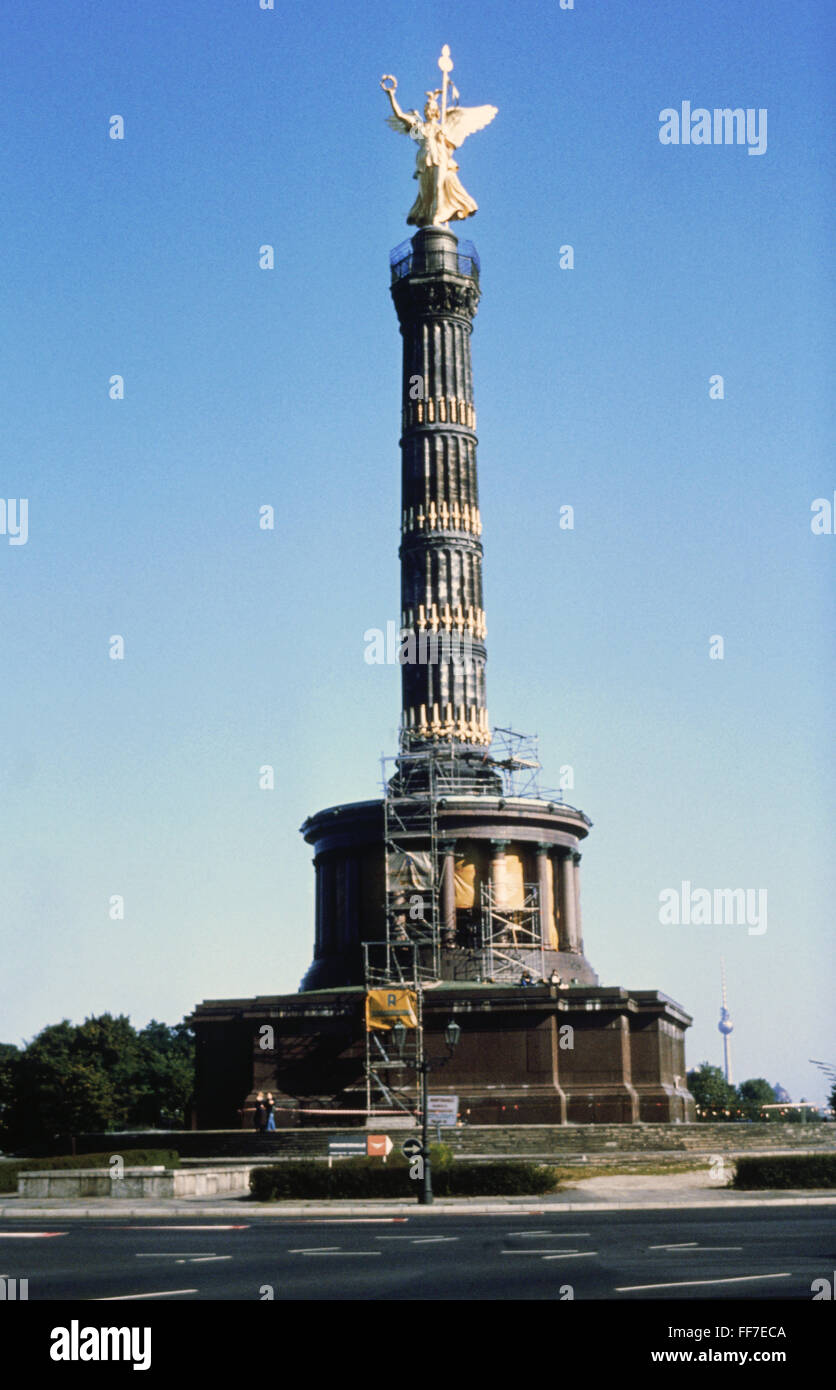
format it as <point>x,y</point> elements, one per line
<point>831,1100</point>
<point>164,1083</point>
<point>9,1063</point>
<point>98,1075</point>
<point>715,1098</point>
<point>752,1095</point>
<point>69,1080</point>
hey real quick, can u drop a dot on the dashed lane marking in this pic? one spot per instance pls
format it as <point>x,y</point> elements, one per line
<point>545,1254</point>
<point>551,1235</point>
<point>202,1259</point>
<point>129,1297</point>
<point>418,1240</point>
<point>694,1283</point>
<point>312,1250</point>
<point>30,1235</point>
<point>680,1245</point>
<point>340,1253</point>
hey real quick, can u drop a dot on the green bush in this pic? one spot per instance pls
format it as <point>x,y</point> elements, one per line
<point>368,1177</point>
<point>134,1158</point>
<point>789,1170</point>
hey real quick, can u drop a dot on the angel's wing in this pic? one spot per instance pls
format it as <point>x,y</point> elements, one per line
<point>464,120</point>
<point>403,126</point>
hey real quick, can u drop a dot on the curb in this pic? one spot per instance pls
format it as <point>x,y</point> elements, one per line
<point>442,1206</point>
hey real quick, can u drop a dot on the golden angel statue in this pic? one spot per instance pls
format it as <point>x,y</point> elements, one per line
<point>441,198</point>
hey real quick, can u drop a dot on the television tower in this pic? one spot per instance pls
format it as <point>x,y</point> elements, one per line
<point>726,1027</point>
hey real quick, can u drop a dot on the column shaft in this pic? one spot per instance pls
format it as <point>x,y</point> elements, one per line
<point>568,930</point>
<point>548,934</point>
<point>448,894</point>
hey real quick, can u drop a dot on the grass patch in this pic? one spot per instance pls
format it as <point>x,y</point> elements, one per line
<point>582,1171</point>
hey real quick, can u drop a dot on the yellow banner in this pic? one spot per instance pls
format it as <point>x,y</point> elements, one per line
<point>386,1007</point>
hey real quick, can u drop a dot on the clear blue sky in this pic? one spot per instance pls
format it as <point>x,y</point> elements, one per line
<point>245,387</point>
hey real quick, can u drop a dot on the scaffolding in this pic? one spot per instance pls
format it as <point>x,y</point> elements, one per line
<point>512,938</point>
<point>388,965</point>
<point>517,758</point>
<point>410,835</point>
<point>509,942</point>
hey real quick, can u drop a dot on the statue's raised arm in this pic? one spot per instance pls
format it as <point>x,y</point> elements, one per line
<point>399,120</point>
<point>441,197</point>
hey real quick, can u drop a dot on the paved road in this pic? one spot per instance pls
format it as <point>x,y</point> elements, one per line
<point>629,1255</point>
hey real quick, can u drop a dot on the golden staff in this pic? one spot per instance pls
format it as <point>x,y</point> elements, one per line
<point>446,66</point>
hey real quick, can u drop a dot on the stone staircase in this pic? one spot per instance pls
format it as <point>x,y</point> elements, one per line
<point>554,1143</point>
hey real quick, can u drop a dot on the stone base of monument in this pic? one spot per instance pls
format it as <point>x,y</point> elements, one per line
<point>527,1055</point>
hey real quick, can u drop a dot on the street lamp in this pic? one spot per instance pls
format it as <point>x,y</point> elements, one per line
<point>452,1034</point>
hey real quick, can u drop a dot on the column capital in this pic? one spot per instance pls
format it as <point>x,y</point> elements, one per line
<point>543,847</point>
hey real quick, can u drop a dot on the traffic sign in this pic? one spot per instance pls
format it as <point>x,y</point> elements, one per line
<point>443,1110</point>
<point>346,1148</point>
<point>378,1145</point>
<point>411,1148</point>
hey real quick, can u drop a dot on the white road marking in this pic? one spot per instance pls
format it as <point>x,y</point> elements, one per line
<point>129,1297</point>
<point>347,1220</point>
<point>173,1228</point>
<point>689,1247</point>
<point>539,1254</point>
<point>572,1255</point>
<point>552,1235</point>
<point>163,1254</point>
<point>30,1235</point>
<point>680,1245</point>
<point>312,1250</point>
<point>346,1253</point>
<point>692,1283</point>
<point>202,1259</point>
<point>431,1240</point>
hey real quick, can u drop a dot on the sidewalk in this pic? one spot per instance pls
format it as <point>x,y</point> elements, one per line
<point>678,1191</point>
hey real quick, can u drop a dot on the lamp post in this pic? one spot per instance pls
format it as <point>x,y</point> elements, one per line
<point>452,1034</point>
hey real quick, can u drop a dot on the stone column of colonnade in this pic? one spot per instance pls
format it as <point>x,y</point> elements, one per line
<point>498,848</point>
<point>545,893</point>
<point>558,892</point>
<point>578,920</point>
<point>447,849</point>
<point>568,930</point>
